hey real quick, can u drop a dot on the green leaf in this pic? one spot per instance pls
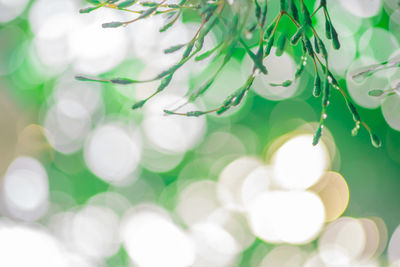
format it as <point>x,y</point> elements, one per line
<point>164,83</point>
<point>87,10</point>
<point>353,111</point>
<point>269,45</point>
<point>293,9</point>
<point>258,10</point>
<point>281,44</point>
<point>299,70</point>
<point>286,83</point>
<point>269,30</point>
<point>166,111</point>
<point>126,3</point>
<point>114,24</point>
<point>316,47</point>
<point>123,81</point>
<point>82,78</point>
<point>308,45</point>
<point>139,104</point>
<point>149,4</point>
<point>222,110</point>
<point>317,136</point>
<point>376,92</point>
<point>148,12</point>
<point>325,93</point>
<point>201,90</point>
<point>194,113</point>
<point>207,53</point>
<point>188,50</point>
<point>306,15</point>
<point>322,48</point>
<point>328,32</point>
<point>94,2</point>
<point>173,48</point>
<point>169,24</point>
<point>236,101</point>
<point>264,14</point>
<point>335,39</point>
<point>296,37</point>
<point>376,142</point>
<point>283,5</point>
<point>317,86</point>
<point>86,79</point>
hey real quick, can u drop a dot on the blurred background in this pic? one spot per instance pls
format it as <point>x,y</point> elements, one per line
<point>86,181</point>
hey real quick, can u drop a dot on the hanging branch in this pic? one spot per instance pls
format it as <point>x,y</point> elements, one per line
<point>239,22</point>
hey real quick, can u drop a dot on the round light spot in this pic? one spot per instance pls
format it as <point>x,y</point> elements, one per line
<point>394,246</point>
<point>67,124</point>
<point>94,232</point>
<point>236,224</point>
<point>334,193</point>
<point>378,43</point>
<point>214,245</point>
<point>63,37</point>
<point>284,256</point>
<point>232,178</point>
<point>112,200</point>
<point>152,240</point>
<point>342,241</point>
<point>257,182</point>
<point>362,8</point>
<point>25,189</point>
<point>197,201</point>
<point>29,246</point>
<point>10,9</point>
<point>159,162</point>
<point>171,134</point>
<point>293,217</point>
<point>314,260</point>
<point>95,50</point>
<point>391,111</point>
<point>372,238</point>
<point>112,152</point>
<point>298,164</point>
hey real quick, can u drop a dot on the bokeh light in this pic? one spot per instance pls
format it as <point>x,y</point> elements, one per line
<point>36,245</point>
<point>171,134</point>
<point>152,239</point>
<point>394,246</point>
<point>334,193</point>
<point>298,164</point>
<point>112,152</point>
<point>342,241</point>
<point>287,216</point>
<point>362,8</point>
<point>25,189</point>
<point>231,181</point>
<point>10,9</point>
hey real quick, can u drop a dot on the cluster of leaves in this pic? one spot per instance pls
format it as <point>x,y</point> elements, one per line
<point>240,19</point>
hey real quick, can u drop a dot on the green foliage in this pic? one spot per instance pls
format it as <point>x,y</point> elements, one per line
<point>249,19</point>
